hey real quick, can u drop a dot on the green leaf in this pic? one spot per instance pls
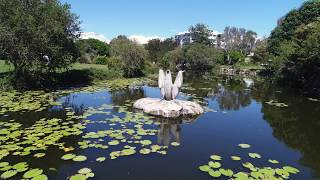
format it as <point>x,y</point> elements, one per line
<point>84,171</point>
<point>79,158</point>
<point>8,174</point>
<point>216,157</point>
<point>175,144</point>
<point>291,169</point>
<point>214,173</point>
<point>204,168</point>
<point>248,165</point>
<point>236,158</point>
<point>214,164</point>
<point>113,143</point>
<point>3,164</point>
<point>145,151</point>
<point>244,146</point>
<point>32,173</point>
<point>255,155</point>
<point>273,161</point>
<point>226,172</point>
<point>68,156</point>
<point>100,159</point>
<point>40,177</point>
<point>145,142</point>
<point>78,177</point>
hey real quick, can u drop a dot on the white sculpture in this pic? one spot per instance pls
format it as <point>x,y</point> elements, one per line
<point>169,91</point>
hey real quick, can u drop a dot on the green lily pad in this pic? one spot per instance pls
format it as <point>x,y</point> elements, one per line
<point>248,165</point>
<point>8,174</point>
<point>273,161</point>
<point>90,175</point>
<point>113,143</point>
<point>204,168</point>
<point>175,144</point>
<point>40,177</point>
<point>3,164</point>
<point>226,172</point>
<point>216,157</point>
<point>79,158</point>
<point>145,142</point>
<point>68,156</point>
<point>39,155</point>
<point>236,158</point>
<point>78,177</point>
<point>257,175</point>
<point>100,159</point>
<point>214,173</point>
<point>214,164</point>
<point>32,173</point>
<point>244,146</point>
<point>255,155</point>
<point>291,169</point>
<point>128,152</point>
<point>84,171</point>
<point>145,151</point>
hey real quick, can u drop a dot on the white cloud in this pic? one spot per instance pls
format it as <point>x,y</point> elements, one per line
<point>93,35</point>
<point>140,39</point>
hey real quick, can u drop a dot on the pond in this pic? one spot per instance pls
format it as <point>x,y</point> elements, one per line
<point>249,126</point>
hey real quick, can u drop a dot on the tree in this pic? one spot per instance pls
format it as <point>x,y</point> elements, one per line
<point>239,39</point>
<point>91,48</point>
<point>158,48</point>
<point>200,33</point>
<point>261,54</point>
<point>37,37</point>
<point>131,55</point>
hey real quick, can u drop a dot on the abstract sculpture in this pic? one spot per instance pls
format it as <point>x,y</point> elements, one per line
<point>168,90</point>
<point>171,107</point>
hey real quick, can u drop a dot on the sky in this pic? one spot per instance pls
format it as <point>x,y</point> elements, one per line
<point>147,19</point>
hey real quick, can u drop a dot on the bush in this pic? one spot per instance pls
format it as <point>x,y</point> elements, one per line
<point>114,63</point>
<point>236,56</point>
<point>101,60</point>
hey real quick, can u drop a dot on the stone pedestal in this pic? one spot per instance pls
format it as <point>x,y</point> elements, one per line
<point>169,109</point>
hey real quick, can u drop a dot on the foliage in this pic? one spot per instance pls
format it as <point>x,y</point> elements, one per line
<point>131,56</point>
<point>91,48</point>
<point>201,33</point>
<point>101,60</point>
<point>157,48</point>
<point>31,30</point>
<point>236,56</point>
<point>294,47</point>
<point>196,56</point>
<point>261,54</point>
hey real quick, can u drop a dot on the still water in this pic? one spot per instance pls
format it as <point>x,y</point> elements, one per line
<point>236,112</point>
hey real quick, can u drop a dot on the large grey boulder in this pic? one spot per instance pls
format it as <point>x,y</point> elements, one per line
<point>170,109</point>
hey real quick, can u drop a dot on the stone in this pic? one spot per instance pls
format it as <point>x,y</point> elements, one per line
<point>170,109</point>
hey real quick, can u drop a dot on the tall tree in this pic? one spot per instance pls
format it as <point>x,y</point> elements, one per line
<point>158,48</point>
<point>37,37</point>
<point>200,33</point>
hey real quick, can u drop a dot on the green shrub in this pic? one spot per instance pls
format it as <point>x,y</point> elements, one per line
<point>114,63</point>
<point>101,60</point>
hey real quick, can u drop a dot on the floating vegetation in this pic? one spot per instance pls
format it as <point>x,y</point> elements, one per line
<point>276,103</point>
<point>244,146</point>
<point>314,100</point>
<point>214,169</point>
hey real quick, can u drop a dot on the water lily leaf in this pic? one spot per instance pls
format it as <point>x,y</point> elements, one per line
<point>90,175</point>
<point>248,165</point>
<point>8,174</point>
<point>244,146</point>
<point>216,157</point>
<point>226,172</point>
<point>100,159</point>
<point>113,143</point>
<point>255,155</point>
<point>241,175</point>
<point>291,169</point>
<point>79,158</point>
<point>273,161</point>
<point>236,158</point>
<point>84,171</point>
<point>78,177</point>
<point>175,144</point>
<point>68,156</point>
<point>145,151</point>
<point>145,142</point>
<point>127,152</point>
<point>204,168</point>
<point>32,173</point>
<point>39,155</point>
<point>214,173</point>
<point>214,164</point>
<point>257,175</point>
<point>40,177</point>
<point>3,164</point>
<point>282,172</point>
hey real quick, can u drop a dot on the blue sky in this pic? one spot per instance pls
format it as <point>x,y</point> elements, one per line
<point>165,18</point>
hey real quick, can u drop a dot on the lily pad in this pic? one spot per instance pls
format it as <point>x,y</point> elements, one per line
<point>226,172</point>
<point>79,158</point>
<point>216,157</point>
<point>68,156</point>
<point>145,142</point>
<point>273,161</point>
<point>40,177</point>
<point>113,143</point>
<point>145,151</point>
<point>175,144</point>
<point>291,169</point>
<point>204,168</point>
<point>78,177</point>
<point>100,159</point>
<point>32,173</point>
<point>255,155</point>
<point>236,158</point>
<point>244,146</point>
<point>214,164</point>
<point>84,171</point>
<point>214,173</point>
<point>8,174</point>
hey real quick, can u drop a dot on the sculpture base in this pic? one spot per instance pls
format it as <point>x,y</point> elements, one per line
<point>169,109</point>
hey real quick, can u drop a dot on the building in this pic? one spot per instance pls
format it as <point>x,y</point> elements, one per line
<point>185,38</point>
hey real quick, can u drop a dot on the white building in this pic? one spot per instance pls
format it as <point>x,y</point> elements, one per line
<point>185,38</point>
